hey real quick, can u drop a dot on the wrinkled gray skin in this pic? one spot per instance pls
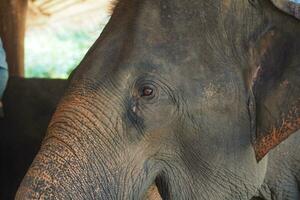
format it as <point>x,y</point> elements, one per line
<point>283,175</point>
<point>193,135</point>
<point>283,172</point>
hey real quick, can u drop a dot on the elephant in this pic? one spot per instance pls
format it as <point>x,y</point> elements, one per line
<point>283,172</point>
<point>177,99</point>
<point>29,105</point>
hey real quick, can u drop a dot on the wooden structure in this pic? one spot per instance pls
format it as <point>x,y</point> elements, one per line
<point>13,24</point>
<point>43,12</point>
<point>12,31</point>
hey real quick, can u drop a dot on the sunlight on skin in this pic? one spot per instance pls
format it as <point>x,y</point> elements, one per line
<point>153,194</point>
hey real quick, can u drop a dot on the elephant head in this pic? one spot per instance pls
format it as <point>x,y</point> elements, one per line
<point>189,96</point>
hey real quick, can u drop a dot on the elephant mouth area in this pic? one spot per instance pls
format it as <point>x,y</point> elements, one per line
<point>158,190</point>
<point>161,188</point>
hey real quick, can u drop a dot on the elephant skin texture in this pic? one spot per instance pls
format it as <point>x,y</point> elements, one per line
<point>182,99</point>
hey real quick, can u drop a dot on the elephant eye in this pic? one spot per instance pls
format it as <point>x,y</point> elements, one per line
<point>147,91</point>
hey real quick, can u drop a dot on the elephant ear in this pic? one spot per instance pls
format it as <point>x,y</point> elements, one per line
<point>291,7</point>
<point>275,88</point>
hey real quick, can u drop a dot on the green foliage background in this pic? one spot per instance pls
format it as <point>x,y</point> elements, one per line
<point>55,53</point>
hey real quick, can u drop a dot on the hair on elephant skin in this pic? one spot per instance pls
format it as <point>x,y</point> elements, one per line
<point>180,99</point>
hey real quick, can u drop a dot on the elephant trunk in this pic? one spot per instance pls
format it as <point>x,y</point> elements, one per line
<point>86,155</point>
<point>55,172</point>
